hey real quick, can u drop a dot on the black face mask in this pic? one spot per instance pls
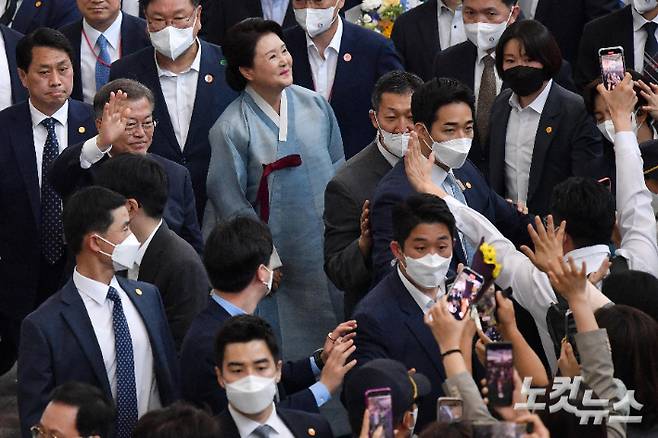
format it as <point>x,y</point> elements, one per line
<point>524,80</point>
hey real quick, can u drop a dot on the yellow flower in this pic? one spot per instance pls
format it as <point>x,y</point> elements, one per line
<point>489,256</point>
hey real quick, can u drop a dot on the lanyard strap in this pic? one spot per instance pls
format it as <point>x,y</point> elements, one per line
<point>96,55</point>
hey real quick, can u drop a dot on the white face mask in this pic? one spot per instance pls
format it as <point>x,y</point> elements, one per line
<point>414,415</point>
<point>452,153</point>
<point>269,282</point>
<point>607,128</point>
<point>251,394</point>
<point>316,21</point>
<point>486,35</point>
<point>429,270</point>
<point>643,6</point>
<point>396,144</point>
<point>171,41</point>
<point>124,254</point>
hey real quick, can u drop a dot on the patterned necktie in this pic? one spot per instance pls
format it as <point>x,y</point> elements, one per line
<point>486,97</point>
<point>651,52</point>
<point>456,191</point>
<point>52,243</point>
<point>125,369</point>
<point>9,11</point>
<point>262,431</point>
<point>102,63</point>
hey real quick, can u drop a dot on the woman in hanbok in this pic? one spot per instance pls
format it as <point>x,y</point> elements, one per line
<point>274,149</point>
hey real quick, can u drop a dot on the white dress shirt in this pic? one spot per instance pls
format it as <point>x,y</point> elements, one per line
<point>179,90</point>
<point>529,8</point>
<point>424,302</point>
<point>88,57</point>
<point>246,426</point>
<point>451,25</point>
<point>324,67</point>
<point>133,272</point>
<point>281,119</point>
<point>520,143</point>
<point>5,78</point>
<point>274,10</point>
<point>130,7</point>
<point>639,39</point>
<point>479,69</point>
<point>40,133</point>
<point>99,310</point>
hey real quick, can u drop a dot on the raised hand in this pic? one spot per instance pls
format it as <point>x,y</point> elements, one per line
<point>567,362</point>
<point>547,242</point>
<point>447,330</point>
<point>419,168</point>
<point>115,115</point>
<point>365,238</point>
<point>621,102</point>
<point>344,330</point>
<point>336,365</point>
<point>650,93</point>
<point>568,280</point>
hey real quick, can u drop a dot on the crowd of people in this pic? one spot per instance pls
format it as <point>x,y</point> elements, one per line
<point>252,219</point>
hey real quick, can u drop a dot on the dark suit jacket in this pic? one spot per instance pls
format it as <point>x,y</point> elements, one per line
<point>134,37</point>
<point>174,267</point>
<point>416,36</point>
<point>212,96</point>
<point>44,13</point>
<point>370,56</point>
<point>20,199</point>
<point>566,19</point>
<point>615,29</point>
<point>391,326</point>
<point>343,201</point>
<point>395,188</point>
<point>199,382</point>
<point>58,345</point>
<point>301,424</point>
<point>221,15</point>
<point>11,38</point>
<point>67,177</point>
<point>567,144</point>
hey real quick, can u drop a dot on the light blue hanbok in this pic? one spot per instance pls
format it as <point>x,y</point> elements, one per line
<point>248,136</point>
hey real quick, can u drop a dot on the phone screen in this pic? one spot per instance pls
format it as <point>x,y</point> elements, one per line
<point>465,288</point>
<point>380,407</point>
<point>449,409</point>
<point>500,371</point>
<point>612,66</point>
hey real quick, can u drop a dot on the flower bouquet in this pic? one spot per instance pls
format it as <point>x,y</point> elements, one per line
<point>380,15</point>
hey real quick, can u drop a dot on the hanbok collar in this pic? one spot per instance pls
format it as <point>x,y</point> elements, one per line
<point>280,120</point>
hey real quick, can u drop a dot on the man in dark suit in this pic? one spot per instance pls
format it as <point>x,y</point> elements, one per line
<point>341,61</point>
<point>34,132</point>
<point>442,110</point>
<point>34,14</point>
<point>627,28</point>
<point>347,240</point>
<point>164,259</point>
<point>391,315</point>
<point>76,166</point>
<point>237,257</point>
<point>100,38</point>
<point>100,329</point>
<point>11,89</point>
<point>248,368</point>
<point>189,85</point>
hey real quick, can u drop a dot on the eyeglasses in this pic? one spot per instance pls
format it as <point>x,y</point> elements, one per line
<point>157,24</point>
<point>38,432</point>
<point>131,127</point>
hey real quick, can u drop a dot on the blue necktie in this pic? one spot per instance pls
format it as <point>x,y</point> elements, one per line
<point>125,372</point>
<point>456,192</point>
<point>651,52</point>
<point>52,243</point>
<point>102,63</point>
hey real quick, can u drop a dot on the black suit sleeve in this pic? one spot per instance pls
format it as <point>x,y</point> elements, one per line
<point>301,401</point>
<point>510,222</point>
<point>398,38</point>
<point>65,174</point>
<point>381,225</point>
<point>190,230</point>
<point>586,147</point>
<point>587,67</point>
<point>598,8</point>
<point>297,375</point>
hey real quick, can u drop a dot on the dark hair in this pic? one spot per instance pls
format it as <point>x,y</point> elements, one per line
<point>177,421</point>
<point>419,209</point>
<point>138,177</point>
<point>634,342</point>
<point>95,411</point>
<point>447,430</point>
<point>41,37</point>
<point>234,251</point>
<point>436,93</point>
<point>87,210</point>
<point>396,82</point>
<point>590,92</point>
<point>633,288</point>
<point>242,329</point>
<point>537,41</point>
<point>240,47</point>
<point>145,3</point>
<point>588,207</point>
<point>134,89</point>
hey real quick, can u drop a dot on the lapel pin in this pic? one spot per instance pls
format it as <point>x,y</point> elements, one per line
<point>549,130</point>
<point>347,57</point>
<point>38,4</point>
<point>138,291</point>
<point>469,185</point>
<point>460,184</point>
<point>311,431</point>
<point>209,78</point>
<point>82,130</point>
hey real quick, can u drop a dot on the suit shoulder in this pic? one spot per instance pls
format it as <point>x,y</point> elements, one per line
<point>571,97</point>
<point>305,419</point>
<point>69,30</point>
<point>457,50</point>
<point>294,33</point>
<point>364,36</point>
<point>128,62</point>
<point>134,22</point>
<point>212,50</point>
<point>376,303</point>
<point>604,22</point>
<point>10,34</point>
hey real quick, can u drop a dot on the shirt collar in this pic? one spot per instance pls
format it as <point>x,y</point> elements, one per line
<point>438,175</point>
<point>61,115</point>
<point>231,308</point>
<point>639,20</point>
<point>196,64</point>
<point>281,119</point>
<point>538,104</point>
<point>423,301</point>
<point>392,159</point>
<point>592,256</point>
<point>145,245</point>
<point>335,41</point>
<point>483,53</point>
<point>445,9</point>
<point>112,33</point>
<point>246,425</point>
<point>93,289</point>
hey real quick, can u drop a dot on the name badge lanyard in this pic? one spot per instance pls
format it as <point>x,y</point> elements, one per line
<point>96,55</point>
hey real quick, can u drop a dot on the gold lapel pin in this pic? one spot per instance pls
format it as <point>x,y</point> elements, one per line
<point>469,185</point>
<point>311,431</point>
<point>347,57</point>
<point>549,130</point>
<point>209,78</point>
<point>138,291</point>
<point>82,130</point>
<point>38,4</point>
